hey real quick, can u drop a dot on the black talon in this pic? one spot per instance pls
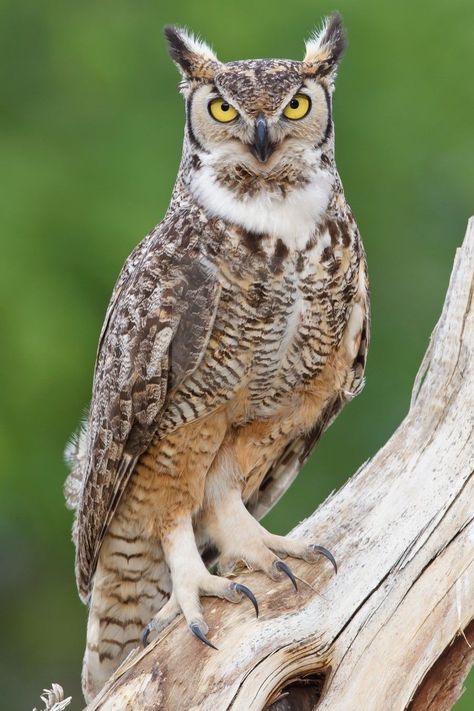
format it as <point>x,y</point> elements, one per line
<point>146,634</point>
<point>280,565</point>
<point>197,631</point>
<point>326,554</point>
<point>248,593</point>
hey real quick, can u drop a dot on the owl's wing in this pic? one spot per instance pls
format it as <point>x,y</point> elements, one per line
<point>155,333</point>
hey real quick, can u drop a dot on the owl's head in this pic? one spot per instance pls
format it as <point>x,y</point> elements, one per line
<point>261,113</point>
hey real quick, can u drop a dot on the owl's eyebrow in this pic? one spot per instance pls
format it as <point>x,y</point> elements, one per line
<point>302,86</point>
<point>215,94</point>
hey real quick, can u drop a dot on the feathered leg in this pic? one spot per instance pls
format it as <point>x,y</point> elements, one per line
<point>173,475</point>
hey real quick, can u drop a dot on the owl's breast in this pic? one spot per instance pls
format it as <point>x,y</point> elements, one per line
<point>297,304</point>
<point>281,314</point>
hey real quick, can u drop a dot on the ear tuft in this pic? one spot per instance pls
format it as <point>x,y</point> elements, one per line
<point>194,58</point>
<point>325,48</point>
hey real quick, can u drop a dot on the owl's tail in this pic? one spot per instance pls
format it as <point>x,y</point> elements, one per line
<point>131,584</point>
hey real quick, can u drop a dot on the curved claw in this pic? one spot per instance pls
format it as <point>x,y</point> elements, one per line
<point>146,634</point>
<point>248,593</point>
<point>280,565</point>
<point>197,632</point>
<point>326,554</point>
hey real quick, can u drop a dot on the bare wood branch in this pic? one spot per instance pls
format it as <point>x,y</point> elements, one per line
<point>442,686</point>
<point>391,630</point>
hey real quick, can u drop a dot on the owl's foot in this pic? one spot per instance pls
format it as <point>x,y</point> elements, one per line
<point>191,580</point>
<point>200,628</point>
<point>162,619</point>
<point>242,540</point>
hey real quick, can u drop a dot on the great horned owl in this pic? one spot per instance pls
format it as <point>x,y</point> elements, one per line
<point>236,332</point>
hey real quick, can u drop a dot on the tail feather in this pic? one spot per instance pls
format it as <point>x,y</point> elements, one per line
<point>131,584</point>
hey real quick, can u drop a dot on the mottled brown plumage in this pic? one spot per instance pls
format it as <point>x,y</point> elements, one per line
<point>236,332</point>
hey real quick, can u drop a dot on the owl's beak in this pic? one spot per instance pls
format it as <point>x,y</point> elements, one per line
<point>262,148</point>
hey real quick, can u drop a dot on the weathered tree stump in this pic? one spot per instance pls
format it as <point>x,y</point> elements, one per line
<point>391,630</point>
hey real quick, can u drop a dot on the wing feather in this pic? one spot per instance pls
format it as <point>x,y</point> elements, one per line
<point>155,333</point>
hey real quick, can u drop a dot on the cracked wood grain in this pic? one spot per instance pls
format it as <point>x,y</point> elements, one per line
<point>391,630</point>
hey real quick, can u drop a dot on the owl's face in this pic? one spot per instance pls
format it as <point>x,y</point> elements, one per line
<point>258,114</point>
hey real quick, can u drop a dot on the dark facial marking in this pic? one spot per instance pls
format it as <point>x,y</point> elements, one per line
<point>328,129</point>
<point>192,136</point>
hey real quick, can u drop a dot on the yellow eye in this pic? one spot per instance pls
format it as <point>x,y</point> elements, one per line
<point>222,111</point>
<point>298,107</point>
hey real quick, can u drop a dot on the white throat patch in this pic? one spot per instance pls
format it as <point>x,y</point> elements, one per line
<point>291,218</point>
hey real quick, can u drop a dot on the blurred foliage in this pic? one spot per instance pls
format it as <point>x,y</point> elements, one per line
<point>90,144</point>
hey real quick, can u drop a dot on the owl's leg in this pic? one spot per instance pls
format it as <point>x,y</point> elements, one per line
<point>169,485</point>
<point>190,580</point>
<point>236,474</point>
<point>240,538</point>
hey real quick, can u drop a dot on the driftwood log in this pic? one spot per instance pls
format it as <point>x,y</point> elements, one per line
<point>393,630</point>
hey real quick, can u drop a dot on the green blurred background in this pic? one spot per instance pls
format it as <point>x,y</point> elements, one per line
<point>89,147</point>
